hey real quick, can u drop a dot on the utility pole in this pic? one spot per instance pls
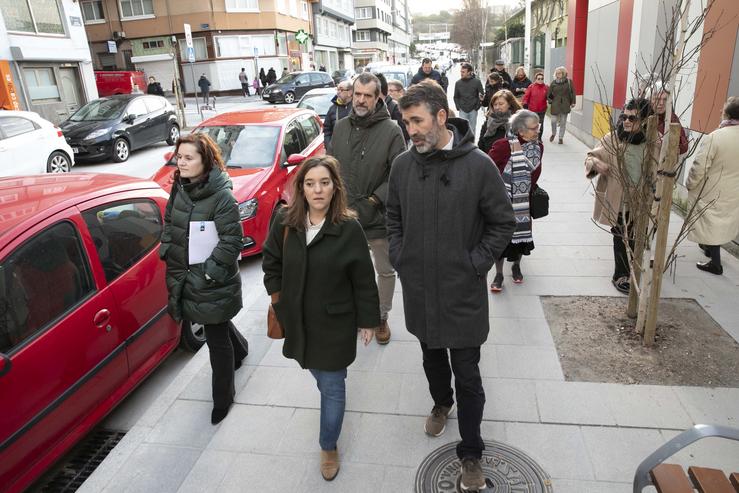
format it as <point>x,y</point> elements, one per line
<point>527,38</point>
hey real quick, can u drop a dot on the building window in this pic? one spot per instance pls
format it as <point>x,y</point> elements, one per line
<point>294,8</point>
<point>136,8</point>
<point>363,13</point>
<point>198,44</point>
<point>305,10</point>
<point>32,16</point>
<point>242,5</point>
<point>241,46</point>
<point>154,44</point>
<point>41,84</point>
<point>362,35</point>
<point>93,11</point>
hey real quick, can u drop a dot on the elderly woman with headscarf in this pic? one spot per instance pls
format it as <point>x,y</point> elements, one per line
<point>502,105</point>
<point>519,161</point>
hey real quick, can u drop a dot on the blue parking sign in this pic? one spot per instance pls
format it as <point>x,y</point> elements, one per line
<point>190,54</point>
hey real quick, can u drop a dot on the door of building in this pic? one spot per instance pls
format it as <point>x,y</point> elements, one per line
<point>70,86</point>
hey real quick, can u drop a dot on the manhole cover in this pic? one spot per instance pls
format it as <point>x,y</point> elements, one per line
<point>506,469</point>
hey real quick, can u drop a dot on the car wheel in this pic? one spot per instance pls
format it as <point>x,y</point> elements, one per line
<point>58,162</point>
<point>121,150</point>
<point>173,135</point>
<point>289,97</point>
<point>193,336</point>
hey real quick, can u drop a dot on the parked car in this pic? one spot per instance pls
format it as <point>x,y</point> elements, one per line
<point>397,72</point>
<point>318,100</point>
<point>262,149</point>
<point>343,74</point>
<point>29,145</point>
<point>112,127</point>
<point>120,82</point>
<point>83,310</point>
<point>294,85</point>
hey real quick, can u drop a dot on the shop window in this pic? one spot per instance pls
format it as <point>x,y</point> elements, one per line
<point>93,11</point>
<point>136,8</point>
<point>242,5</point>
<point>32,16</point>
<point>153,45</point>
<point>201,50</point>
<point>107,61</point>
<point>240,46</point>
<point>41,83</point>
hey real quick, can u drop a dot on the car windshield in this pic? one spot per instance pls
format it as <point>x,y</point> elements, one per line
<point>320,103</point>
<point>395,75</point>
<point>287,78</point>
<point>245,146</point>
<point>100,110</point>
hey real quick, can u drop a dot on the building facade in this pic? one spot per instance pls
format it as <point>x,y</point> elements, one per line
<point>333,21</point>
<point>399,43</point>
<point>374,27</point>
<point>227,35</point>
<point>44,58</point>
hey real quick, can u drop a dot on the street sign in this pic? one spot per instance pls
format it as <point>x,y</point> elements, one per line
<point>112,47</point>
<point>190,54</point>
<point>256,51</point>
<point>188,35</point>
<point>301,37</point>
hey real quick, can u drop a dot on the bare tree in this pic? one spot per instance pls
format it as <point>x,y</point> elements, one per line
<point>469,25</point>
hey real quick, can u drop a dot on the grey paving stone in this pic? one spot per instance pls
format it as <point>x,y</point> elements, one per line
<point>376,392</point>
<point>649,406</point>
<point>506,331</point>
<point>301,433</point>
<point>201,388</point>
<point>415,398</point>
<point>535,332</point>
<point>616,452</point>
<point>574,403</point>
<point>401,357</point>
<point>493,430</point>
<point>489,361</point>
<point>263,382</point>
<point>520,305</point>
<point>153,467</point>
<point>359,478</point>
<point>255,429</point>
<point>187,423</point>
<point>397,479</point>
<point>268,473</point>
<point>714,452</point>
<point>368,357</point>
<point>115,460</point>
<point>510,400</point>
<point>274,357</point>
<point>559,449</point>
<point>208,472</point>
<point>572,486</point>
<point>528,362</point>
<point>297,388</point>
<point>719,406</point>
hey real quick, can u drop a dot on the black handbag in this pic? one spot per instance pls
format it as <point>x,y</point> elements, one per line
<point>539,206</point>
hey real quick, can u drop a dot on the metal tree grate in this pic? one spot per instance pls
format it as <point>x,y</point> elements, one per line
<point>69,475</point>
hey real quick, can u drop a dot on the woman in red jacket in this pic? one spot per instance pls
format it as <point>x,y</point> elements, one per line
<point>519,162</point>
<point>535,99</point>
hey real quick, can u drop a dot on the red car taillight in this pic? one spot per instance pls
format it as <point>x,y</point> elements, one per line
<point>58,131</point>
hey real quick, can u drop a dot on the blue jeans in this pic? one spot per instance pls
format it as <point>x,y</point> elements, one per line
<point>471,117</point>
<point>332,385</point>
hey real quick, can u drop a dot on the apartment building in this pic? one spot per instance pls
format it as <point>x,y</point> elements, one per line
<point>227,35</point>
<point>44,58</point>
<point>374,27</point>
<point>399,43</point>
<point>332,34</point>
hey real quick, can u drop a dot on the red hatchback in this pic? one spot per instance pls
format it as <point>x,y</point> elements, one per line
<point>83,314</point>
<point>262,149</point>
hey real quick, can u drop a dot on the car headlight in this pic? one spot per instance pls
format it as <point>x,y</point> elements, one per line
<point>248,209</point>
<point>97,133</point>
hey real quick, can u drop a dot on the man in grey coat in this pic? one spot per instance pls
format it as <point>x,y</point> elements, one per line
<point>366,143</point>
<point>448,219</point>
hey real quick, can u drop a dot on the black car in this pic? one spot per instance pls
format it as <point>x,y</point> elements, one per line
<point>116,125</point>
<point>292,86</point>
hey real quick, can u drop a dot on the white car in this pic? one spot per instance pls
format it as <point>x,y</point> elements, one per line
<point>30,145</point>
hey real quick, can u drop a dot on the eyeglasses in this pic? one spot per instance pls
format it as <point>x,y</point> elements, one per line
<point>540,78</point>
<point>631,118</point>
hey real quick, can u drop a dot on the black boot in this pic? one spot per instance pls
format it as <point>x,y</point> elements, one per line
<point>710,267</point>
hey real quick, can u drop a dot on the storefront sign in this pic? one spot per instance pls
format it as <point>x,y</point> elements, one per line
<point>301,37</point>
<point>75,21</point>
<point>8,96</point>
<point>112,47</point>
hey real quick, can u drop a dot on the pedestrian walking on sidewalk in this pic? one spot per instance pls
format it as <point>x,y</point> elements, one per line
<point>468,93</point>
<point>207,293</point>
<point>204,85</point>
<point>561,99</point>
<point>341,106</point>
<point>262,78</point>
<point>366,143</point>
<point>244,80</point>
<point>494,84</point>
<point>392,105</point>
<point>502,105</point>
<point>519,160</point>
<point>154,87</point>
<point>255,85</point>
<point>618,157</point>
<point>520,83</point>
<point>448,218</point>
<point>319,274</point>
<point>535,99</point>
<point>712,185</point>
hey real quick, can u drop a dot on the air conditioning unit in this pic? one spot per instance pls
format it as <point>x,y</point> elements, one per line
<point>119,35</point>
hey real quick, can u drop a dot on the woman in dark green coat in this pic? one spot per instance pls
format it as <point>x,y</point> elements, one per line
<point>208,292</point>
<point>318,270</point>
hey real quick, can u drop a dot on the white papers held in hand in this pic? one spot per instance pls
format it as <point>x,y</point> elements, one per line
<point>203,240</point>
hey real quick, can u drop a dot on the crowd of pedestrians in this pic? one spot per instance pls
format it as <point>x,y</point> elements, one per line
<point>405,192</point>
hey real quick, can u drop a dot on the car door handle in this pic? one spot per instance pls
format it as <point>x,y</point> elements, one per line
<point>101,319</point>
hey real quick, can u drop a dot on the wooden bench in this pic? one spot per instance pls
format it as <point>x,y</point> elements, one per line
<point>671,478</point>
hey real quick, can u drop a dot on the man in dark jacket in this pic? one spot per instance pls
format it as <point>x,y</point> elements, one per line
<point>204,85</point>
<point>448,218</point>
<point>366,143</point>
<point>392,106</point>
<point>500,69</point>
<point>271,76</point>
<point>154,87</point>
<point>426,72</point>
<point>341,105</point>
<point>467,95</point>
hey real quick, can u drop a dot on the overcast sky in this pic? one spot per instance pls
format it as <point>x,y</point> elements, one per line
<point>434,6</point>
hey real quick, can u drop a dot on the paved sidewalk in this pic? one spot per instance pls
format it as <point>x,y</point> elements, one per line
<point>589,437</point>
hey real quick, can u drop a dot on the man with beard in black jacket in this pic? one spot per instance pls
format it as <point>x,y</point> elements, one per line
<point>448,219</point>
<point>426,72</point>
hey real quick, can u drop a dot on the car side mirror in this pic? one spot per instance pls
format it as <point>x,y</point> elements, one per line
<point>297,83</point>
<point>130,118</point>
<point>170,159</point>
<point>295,159</point>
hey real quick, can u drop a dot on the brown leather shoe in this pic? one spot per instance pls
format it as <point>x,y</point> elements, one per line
<point>382,334</point>
<point>329,464</point>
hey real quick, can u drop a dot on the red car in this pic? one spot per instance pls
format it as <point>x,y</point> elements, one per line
<point>262,149</point>
<point>83,316</point>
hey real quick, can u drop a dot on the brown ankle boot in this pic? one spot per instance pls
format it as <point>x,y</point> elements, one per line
<point>382,334</point>
<point>329,464</point>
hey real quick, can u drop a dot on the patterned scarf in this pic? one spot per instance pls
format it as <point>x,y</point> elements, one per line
<point>728,123</point>
<point>497,119</point>
<point>517,178</point>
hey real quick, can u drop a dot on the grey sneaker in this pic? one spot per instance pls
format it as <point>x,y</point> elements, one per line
<point>436,422</point>
<point>472,476</point>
